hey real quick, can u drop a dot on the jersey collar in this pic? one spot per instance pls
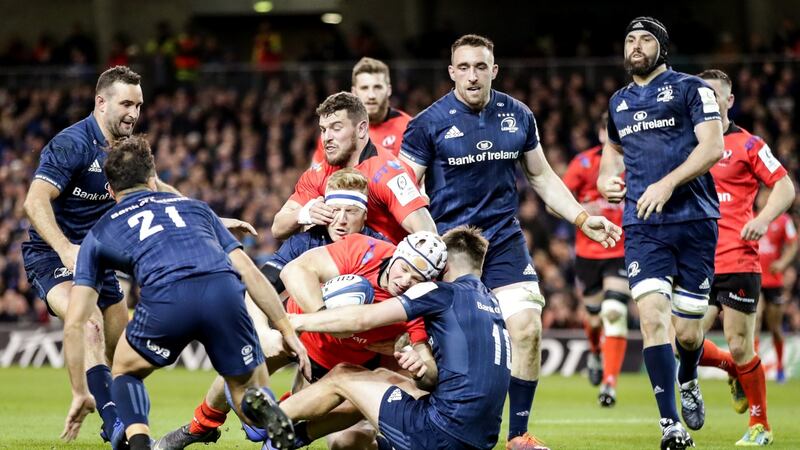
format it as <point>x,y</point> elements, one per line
<point>369,151</point>
<point>732,128</point>
<point>462,107</point>
<point>97,134</point>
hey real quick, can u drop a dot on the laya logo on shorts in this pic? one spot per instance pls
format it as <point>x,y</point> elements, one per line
<point>247,354</point>
<point>162,352</point>
<point>633,269</point>
<point>62,272</point>
<point>395,396</point>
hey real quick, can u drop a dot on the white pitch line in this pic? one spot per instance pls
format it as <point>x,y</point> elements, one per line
<point>591,421</point>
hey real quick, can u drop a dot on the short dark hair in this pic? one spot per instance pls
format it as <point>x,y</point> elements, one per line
<point>370,65</point>
<point>123,74</point>
<point>468,241</point>
<point>343,101</point>
<point>472,40</point>
<point>130,163</point>
<point>716,74</point>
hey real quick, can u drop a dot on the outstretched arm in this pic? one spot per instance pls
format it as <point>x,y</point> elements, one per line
<point>351,319</point>
<point>558,197</point>
<point>303,275</point>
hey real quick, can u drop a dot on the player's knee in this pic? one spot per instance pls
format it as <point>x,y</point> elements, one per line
<point>737,344</point>
<point>690,337</point>
<point>615,317</point>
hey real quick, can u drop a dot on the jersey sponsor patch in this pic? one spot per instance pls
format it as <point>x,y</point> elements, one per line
<point>768,159</point>
<point>48,179</point>
<point>709,100</point>
<point>403,189</point>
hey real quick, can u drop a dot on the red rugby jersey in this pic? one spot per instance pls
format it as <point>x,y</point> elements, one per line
<point>746,161</point>
<point>387,134</point>
<point>581,179</point>
<point>360,255</point>
<point>393,193</point>
<point>770,247</point>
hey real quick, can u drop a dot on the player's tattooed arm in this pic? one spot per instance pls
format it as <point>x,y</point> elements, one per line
<point>351,319</point>
<point>39,209</point>
<point>82,300</point>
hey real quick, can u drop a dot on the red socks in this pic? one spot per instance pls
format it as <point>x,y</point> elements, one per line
<point>613,355</point>
<point>206,419</point>
<point>778,343</point>
<point>713,356</point>
<point>751,377</point>
<point>593,335</point>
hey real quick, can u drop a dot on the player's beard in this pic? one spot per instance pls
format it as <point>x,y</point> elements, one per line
<point>340,159</point>
<point>640,68</point>
<point>380,114</point>
<point>118,129</point>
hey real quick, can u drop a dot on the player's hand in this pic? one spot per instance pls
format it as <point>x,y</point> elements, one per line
<point>69,255</point>
<point>82,405</point>
<point>315,212</point>
<point>602,230</point>
<point>296,349</point>
<point>410,360</point>
<point>754,229</point>
<point>654,198</point>
<point>614,189</point>
<point>239,228</point>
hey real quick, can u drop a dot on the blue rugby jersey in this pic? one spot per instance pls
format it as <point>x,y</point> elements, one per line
<point>159,237</point>
<point>655,124</point>
<point>473,353</point>
<point>73,162</point>
<point>299,243</point>
<point>471,161</point>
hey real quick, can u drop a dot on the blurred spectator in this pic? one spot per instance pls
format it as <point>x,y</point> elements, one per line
<point>267,46</point>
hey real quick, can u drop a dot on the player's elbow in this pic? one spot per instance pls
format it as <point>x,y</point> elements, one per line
<point>30,205</point>
<point>278,231</point>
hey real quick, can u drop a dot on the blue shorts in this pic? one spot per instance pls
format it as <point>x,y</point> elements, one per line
<point>207,308</point>
<point>45,270</point>
<point>405,423</point>
<point>508,262</point>
<point>682,251</point>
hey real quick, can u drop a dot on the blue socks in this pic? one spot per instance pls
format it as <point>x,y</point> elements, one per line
<point>99,380</point>
<point>687,369</point>
<point>660,363</point>
<point>520,403</point>
<point>133,403</point>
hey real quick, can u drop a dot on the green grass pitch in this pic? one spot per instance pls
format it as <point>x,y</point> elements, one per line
<point>33,403</point>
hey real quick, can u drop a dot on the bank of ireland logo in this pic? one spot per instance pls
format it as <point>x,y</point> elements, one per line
<point>509,124</point>
<point>640,115</point>
<point>484,145</point>
<point>633,269</point>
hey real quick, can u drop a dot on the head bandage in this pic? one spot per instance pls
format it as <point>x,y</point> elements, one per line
<point>346,198</point>
<point>424,251</point>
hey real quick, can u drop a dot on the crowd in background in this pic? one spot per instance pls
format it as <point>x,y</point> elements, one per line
<point>241,149</point>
